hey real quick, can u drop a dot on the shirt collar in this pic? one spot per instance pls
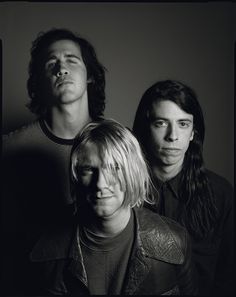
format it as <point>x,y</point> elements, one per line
<point>172,184</point>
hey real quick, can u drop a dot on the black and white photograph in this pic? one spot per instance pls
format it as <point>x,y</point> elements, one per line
<point>117,174</point>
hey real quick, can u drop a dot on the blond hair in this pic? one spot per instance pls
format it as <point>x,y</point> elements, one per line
<point>120,152</point>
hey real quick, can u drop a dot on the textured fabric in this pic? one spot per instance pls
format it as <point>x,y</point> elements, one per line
<point>160,260</point>
<point>213,256</point>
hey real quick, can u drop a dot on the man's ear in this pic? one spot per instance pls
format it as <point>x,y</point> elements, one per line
<point>192,135</point>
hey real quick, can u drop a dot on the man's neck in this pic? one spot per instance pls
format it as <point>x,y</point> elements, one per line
<point>164,173</point>
<point>67,120</point>
<point>109,227</point>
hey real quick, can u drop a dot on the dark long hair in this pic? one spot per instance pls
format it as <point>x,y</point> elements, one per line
<point>95,71</point>
<point>199,212</point>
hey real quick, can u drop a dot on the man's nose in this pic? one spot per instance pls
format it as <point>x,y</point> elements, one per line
<point>172,134</point>
<point>101,181</point>
<point>61,70</point>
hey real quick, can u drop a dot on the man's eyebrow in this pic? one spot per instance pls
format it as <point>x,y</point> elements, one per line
<point>72,56</point>
<point>185,119</point>
<point>156,118</point>
<point>53,56</point>
<point>50,56</point>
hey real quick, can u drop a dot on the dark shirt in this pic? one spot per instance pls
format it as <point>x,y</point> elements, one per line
<point>110,256</point>
<point>213,256</point>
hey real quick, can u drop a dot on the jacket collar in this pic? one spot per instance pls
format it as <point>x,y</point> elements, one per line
<point>153,239</point>
<point>157,240</point>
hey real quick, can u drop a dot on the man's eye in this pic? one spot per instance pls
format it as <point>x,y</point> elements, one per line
<point>184,124</point>
<point>160,124</point>
<point>86,170</point>
<point>50,64</point>
<point>73,61</point>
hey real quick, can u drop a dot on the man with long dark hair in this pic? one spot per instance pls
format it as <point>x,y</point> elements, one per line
<point>66,86</point>
<point>169,125</point>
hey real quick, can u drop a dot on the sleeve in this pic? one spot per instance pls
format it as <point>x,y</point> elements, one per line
<point>224,275</point>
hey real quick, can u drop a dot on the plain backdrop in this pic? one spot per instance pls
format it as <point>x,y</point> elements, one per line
<point>139,44</point>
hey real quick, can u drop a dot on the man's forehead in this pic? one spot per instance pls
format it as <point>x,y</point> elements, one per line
<point>168,110</point>
<point>91,153</point>
<point>63,46</point>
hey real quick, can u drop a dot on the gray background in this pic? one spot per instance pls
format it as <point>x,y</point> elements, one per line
<point>139,43</point>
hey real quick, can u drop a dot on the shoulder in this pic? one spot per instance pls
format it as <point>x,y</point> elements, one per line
<point>21,135</point>
<point>217,180</point>
<point>54,243</point>
<point>150,219</point>
<point>23,129</point>
<point>222,189</point>
<point>162,236</point>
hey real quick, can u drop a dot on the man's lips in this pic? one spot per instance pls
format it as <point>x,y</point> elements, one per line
<point>63,82</point>
<point>171,151</point>
<point>99,199</point>
<point>103,196</point>
<point>100,195</point>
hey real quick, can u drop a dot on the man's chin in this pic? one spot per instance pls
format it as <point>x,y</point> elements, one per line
<point>67,99</point>
<point>103,213</point>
